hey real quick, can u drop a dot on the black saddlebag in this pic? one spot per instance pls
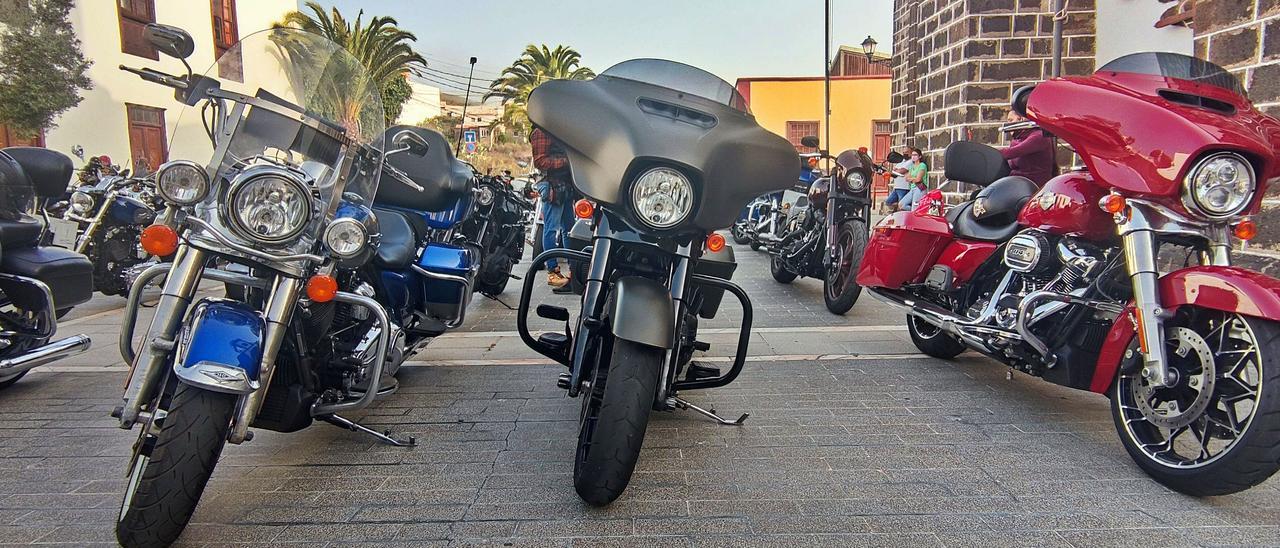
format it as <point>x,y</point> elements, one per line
<point>68,274</point>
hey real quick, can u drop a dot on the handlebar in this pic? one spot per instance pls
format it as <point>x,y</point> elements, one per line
<point>150,75</point>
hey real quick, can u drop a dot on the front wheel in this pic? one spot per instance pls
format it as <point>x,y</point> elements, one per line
<point>179,450</point>
<point>779,271</point>
<point>615,414</point>
<point>1216,430</point>
<point>839,288</point>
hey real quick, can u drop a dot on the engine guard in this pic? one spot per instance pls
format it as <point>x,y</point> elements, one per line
<point>220,348</point>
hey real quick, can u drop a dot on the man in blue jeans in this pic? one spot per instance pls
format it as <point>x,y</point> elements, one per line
<point>554,192</point>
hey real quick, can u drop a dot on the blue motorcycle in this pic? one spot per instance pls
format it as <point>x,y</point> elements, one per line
<point>761,221</point>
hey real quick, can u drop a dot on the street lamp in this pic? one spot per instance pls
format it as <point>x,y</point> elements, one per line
<point>869,49</point>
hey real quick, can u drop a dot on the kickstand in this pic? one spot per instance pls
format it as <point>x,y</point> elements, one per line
<point>384,437</point>
<point>711,414</point>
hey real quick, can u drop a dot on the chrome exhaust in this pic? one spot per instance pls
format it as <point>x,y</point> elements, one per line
<point>971,331</point>
<point>48,353</point>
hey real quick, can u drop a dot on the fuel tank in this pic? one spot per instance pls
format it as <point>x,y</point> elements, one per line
<point>1068,206</point>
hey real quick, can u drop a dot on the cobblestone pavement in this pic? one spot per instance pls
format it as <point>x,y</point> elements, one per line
<point>854,439</point>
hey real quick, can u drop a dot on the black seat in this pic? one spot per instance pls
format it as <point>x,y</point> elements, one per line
<point>49,170</point>
<point>993,215</point>
<point>399,245</point>
<point>20,233</point>
<point>68,274</point>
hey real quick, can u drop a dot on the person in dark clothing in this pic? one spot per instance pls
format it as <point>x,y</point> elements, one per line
<point>555,190</point>
<point>1030,152</point>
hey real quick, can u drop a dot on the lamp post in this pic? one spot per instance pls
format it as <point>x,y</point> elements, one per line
<point>869,49</point>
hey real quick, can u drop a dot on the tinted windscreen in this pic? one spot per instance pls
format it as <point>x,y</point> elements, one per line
<point>679,77</point>
<point>1176,65</point>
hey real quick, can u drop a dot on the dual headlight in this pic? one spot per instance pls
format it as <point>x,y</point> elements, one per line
<point>662,197</point>
<point>345,237</point>
<point>182,183</point>
<point>1220,186</point>
<point>270,208</point>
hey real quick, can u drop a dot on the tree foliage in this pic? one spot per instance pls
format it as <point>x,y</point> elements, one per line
<point>42,70</point>
<point>536,65</point>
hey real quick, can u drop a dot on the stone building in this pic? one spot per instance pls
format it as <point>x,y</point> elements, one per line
<point>1244,37</point>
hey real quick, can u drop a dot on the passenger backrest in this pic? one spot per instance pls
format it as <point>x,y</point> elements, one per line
<point>974,163</point>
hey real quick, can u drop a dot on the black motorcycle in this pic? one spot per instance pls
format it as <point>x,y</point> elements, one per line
<point>111,212</point>
<point>497,229</point>
<point>826,239</point>
<point>665,154</point>
<point>38,284</point>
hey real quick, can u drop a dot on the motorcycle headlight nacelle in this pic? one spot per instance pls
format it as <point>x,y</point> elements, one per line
<point>81,203</point>
<point>662,197</point>
<point>182,183</point>
<point>855,181</point>
<point>485,195</point>
<point>271,208</point>
<point>345,237</point>
<point>1219,186</point>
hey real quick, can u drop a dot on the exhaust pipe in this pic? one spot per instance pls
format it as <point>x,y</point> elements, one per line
<point>48,353</point>
<point>950,322</point>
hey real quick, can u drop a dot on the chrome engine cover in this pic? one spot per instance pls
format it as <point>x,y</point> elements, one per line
<point>1029,252</point>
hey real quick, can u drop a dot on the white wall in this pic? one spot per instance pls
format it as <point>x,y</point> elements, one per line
<point>99,122</point>
<point>1128,26</point>
<point>423,104</point>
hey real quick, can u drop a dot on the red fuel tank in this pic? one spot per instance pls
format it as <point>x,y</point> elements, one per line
<point>1068,206</point>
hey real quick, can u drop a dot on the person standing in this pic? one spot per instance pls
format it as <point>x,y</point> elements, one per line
<point>917,177</point>
<point>553,191</point>
<point>1030,152</point>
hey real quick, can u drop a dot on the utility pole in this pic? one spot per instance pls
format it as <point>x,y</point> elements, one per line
<point>826,78</point>
<point>1059,13</point>
<point>466,99</point>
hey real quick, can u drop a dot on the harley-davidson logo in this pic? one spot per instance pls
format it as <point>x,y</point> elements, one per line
<point>1049,200</point>
<point>979,207</point>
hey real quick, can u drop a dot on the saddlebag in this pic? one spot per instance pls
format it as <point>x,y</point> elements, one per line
<point>68,274</point>
<point>446,298</point>
<point>903,247</point>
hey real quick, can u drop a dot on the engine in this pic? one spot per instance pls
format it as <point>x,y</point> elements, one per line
<point>1039,261</point>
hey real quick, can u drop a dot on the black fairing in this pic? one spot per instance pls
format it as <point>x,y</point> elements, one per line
<point>612,128</point>
<point>993,215</point>
<point>48,170</point>
<point>443,178</point>
<point>974,163</point>
<point>855,160</point>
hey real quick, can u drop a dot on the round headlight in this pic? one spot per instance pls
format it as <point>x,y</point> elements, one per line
<point>270,208</point>
<point>855,181</point>
<point>345,237</point>
<point>182,183</point>
<point>81,203</point>
<point>662,197</point>
<point>1219,186</point>
<point>485,196</point>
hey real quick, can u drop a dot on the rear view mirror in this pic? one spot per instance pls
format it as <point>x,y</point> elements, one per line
<point>810,141</point>
<point>170,40</point>
<point>411,142</point>
<point>894,157</point>
<point>1019,101</point>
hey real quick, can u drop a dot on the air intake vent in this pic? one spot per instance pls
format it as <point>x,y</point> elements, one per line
<point>678,113</point>
<point>1198,101</point>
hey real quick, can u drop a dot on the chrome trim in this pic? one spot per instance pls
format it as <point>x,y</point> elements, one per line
<point>46,318</point>
<point>1188,197</point>
<point>1145,215</point>
<point>252,174</point>
<point>127,353</point>
<point>1028,307</point>
<point>466,291</point>
<point>1140,262</point>
<point>204,173</point>
<point>375,375</point>
<point>216,377</point>
<point>324,237</point>
<point>209,229</point>
<point>82,243</point>
<point>279,308</point>
<point>42,355</point>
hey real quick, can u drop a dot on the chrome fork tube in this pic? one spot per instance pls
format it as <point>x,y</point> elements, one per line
<point>1140,261</point>
<point>147,368</point>
<point>87,235</point>
<point>277,313</point>
<point>1219,246</point>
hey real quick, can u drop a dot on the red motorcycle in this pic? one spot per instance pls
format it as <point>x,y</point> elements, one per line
<point>1063,281</point>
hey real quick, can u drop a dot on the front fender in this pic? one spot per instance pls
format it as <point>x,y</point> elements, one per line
<point>221,347</point>
<point>642,312</point>
<point>1224,288</point>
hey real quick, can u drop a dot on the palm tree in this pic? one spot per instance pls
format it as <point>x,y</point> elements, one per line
<point>381,46</point>
<point>536,65</point>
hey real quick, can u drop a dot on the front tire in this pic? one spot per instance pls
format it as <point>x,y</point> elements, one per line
<point>614,418</point>
<point>739,234</point>
<point>1231,437</point>
<point>779,272</point>
<point>932,340</point>
<point>840,289</point>
<point>166,483</point>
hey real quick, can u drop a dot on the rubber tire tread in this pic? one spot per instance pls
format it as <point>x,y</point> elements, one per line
<point>941,346</point>
<point>780,274</point>
<point>1255,458</point>
<point>841,305</point>
<point>185,454</point>
<point>623,418</point>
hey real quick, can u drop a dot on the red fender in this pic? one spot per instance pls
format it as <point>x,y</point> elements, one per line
<point>1224,288</point>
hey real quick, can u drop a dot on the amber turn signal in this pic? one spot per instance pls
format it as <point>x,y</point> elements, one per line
<point>813,162</point>
<point>159,240</point>
<point>1113,203</point>
<point>1246,229</point>
<point>322,288</point>
<point>715,243</point>
<point>583,209</point>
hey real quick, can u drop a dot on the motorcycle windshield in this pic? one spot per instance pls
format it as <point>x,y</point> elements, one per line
<point>1177,66</point>
<point>296,105</point>
<point>680,77</point>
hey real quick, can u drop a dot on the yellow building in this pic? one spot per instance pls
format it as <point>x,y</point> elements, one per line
<point>125,117</point>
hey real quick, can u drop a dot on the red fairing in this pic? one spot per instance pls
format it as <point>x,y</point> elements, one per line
<point>903,247</point>
<point>1143,144</point>
<point>1223,288</point>
<point>964,258</point>
<point>1068,206</point>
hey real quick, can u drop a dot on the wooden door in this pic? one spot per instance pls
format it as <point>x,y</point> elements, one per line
<point>10,139</point>
<point>881,140</point>
<point>147,148</point>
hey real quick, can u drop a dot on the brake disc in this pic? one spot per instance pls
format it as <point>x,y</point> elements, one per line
<point>1161,405</point>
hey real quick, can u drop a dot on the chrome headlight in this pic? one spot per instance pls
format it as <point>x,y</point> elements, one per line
<point>182,183</point>
<point>270,208</point>
<point>485,196</point>
<point>81,203</point>
<point>662,197</point>
<point>345,237</point>
<point>1219,186</point>
<point>855,181</point>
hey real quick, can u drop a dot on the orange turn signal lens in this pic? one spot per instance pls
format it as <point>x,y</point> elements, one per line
<point>322,288</point>
<point>1246,230</point>
<point>1113,203</point>
<point>159,240</point>
<point>715,243</point>
<point>584,209</point>
<point>813,162</point>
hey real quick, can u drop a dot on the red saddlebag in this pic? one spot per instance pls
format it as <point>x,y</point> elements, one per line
<point>903,247</point>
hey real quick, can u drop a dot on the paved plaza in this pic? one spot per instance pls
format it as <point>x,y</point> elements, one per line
<point>854,439</point>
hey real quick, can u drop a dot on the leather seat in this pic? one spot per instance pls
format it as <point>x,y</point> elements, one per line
<point>399,244</point>
<point>68,274</point>
<point>993,215</point>
<point>20,233</point>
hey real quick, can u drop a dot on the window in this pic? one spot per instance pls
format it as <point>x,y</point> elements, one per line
<point>147,148</point>
<point>134,17</point>
<point>800,130</point>
<point>225,35</point>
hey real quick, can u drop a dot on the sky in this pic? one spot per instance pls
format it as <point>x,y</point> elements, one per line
<point>730,38</point>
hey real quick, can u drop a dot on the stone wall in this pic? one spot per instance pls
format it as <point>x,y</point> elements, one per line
<point>957,62</point>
